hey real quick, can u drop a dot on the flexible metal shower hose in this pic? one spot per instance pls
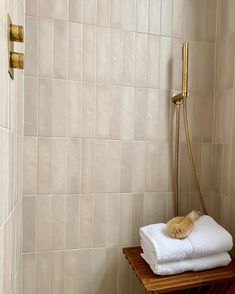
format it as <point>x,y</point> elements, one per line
<point>176,204</point>
<point>190,154</point>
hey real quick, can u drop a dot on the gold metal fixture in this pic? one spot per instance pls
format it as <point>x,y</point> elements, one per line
<point>185,54</point>
<point>190,154</point>
<point>176,181</point>
<point>15,59</point>
<point>179,99</point>
<point>16,33</point>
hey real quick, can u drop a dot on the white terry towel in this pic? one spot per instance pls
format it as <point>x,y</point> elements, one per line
<point>190,264</point>
<point>207,238</point>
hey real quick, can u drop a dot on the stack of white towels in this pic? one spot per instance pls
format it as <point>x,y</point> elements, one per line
<point>205,248</point>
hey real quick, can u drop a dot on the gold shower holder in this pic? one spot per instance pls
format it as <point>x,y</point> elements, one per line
<point>15,59</point>
<point>177,98</point>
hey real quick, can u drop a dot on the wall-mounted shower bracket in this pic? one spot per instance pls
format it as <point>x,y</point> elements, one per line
<point>177,98</point>
<point>15,33</point>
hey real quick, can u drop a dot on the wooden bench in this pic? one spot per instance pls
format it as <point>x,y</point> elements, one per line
<point>221,279</point>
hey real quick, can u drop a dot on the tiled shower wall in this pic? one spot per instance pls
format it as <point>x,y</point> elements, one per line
<point>223,197</point>
<point>98,149</point>
<point>11,157</point>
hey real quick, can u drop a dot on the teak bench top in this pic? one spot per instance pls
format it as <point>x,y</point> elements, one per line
<point>158,284</point>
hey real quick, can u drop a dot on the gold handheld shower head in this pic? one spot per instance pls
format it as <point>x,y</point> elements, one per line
<point>177,98</point>
<point>185,50</point>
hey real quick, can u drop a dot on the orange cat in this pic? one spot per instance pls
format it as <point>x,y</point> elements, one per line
<point>180,227</point>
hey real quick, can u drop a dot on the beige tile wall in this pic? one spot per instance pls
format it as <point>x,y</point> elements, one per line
<point>98,149</point>
<point>11,155</point>
<point>224,123</point>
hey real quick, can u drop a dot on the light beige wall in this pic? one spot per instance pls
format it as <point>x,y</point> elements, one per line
<point>98,152</point>
<point>224,122</point>
<point>11,151</point>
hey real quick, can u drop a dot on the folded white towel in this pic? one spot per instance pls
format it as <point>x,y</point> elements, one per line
<point>207,238</point>
<point>190,264</point>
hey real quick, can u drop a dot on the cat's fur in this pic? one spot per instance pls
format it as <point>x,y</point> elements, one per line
<point>180,227</point>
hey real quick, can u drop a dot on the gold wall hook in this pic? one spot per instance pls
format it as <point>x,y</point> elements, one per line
<point>16,33</point>
<point>15,59</point>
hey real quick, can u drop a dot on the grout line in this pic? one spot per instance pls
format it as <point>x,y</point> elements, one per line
<point>102,193</point>
<point>109,85</point>
<point>116,139</point>
<point>78,249</point>
<point>128,30</point>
